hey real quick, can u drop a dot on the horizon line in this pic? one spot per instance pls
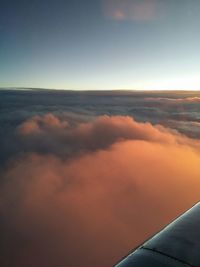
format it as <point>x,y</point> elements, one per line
<point>97,90</point>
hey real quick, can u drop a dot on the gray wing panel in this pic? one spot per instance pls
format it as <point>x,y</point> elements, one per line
<point>177,245</point>
<point>147,258</point>
<point>180,239</point>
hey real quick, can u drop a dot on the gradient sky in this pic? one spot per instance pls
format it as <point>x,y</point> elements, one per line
<point>100,44</point>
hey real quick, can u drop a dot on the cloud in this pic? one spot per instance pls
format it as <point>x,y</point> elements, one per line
<point>192,128</point>
<point>122,182</point>
<point>50,134</point>
<point>194,99</point>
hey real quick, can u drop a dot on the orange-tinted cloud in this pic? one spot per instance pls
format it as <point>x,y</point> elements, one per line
<point>50,134</point>
<point>92,208</point>
<point>194,99</point>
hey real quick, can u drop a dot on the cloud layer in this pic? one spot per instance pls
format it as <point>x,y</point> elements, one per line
<point>85,192</point>
<point>57,135</point>
<point>194,99</point>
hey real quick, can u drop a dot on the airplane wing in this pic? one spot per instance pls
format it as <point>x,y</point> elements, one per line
<point>177,245</point>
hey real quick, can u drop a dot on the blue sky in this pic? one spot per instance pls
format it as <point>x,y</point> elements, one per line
<point>108,44</point>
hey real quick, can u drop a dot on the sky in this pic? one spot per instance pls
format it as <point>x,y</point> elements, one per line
<point>100,44</point>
